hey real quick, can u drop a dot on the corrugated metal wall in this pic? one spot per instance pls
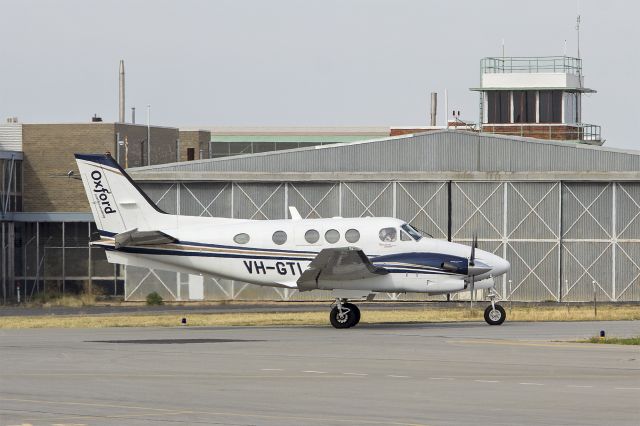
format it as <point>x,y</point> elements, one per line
<point>560,237</point>
<point>451,150</point>
<point>10,137</point>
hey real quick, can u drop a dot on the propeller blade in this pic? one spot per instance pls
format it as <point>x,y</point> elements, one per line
<point>474,245</point>
<point>472,263</point>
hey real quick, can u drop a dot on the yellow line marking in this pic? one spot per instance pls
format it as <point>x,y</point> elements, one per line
<point>211,413</point>
<point>106,416</point>
<point>321,374</point>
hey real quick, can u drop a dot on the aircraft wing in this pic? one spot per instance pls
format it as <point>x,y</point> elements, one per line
<point>142,238</point>
<point>338,264</point>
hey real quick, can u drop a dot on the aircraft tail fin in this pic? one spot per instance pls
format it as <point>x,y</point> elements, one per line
<point>117,203</point>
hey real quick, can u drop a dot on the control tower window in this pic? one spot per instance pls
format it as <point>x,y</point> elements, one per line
<point>524,106</point>
<point>550,106</point>
<point>499,106</point>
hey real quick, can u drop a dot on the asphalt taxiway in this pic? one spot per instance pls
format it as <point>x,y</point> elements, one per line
<point>449,373</point>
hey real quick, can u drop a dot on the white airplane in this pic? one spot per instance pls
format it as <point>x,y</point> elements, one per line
<point>355,258</point>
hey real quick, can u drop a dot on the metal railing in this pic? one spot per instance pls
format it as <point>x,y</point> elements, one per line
<point>578,132</point>
<point>523,64</point>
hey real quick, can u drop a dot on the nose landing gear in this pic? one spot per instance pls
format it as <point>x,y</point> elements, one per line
<point>494,314</point>
<point>344,314</point>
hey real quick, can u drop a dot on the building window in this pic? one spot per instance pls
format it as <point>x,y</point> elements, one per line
<point>388,235</point>
<point>524,106</point>
<point>241,238</point>
<point>279,237</point>
<point>571,108</point>
<point>332,236</point>
<point>499,106</point>
<point>352,235</point>
<point>550,106</point>
<point>312,236</point>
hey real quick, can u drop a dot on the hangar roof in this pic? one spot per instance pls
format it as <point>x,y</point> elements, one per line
<point>436,155</point>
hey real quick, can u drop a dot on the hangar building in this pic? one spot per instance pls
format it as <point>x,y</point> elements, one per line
<point>565,215</point>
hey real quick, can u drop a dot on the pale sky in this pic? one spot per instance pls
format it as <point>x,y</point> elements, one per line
<point>301,63</point>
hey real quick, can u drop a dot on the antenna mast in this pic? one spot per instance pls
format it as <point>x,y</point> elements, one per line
<point>578,32</point>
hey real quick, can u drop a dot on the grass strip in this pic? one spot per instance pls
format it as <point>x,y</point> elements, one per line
<point>613,340</point>
<point>426,315</point>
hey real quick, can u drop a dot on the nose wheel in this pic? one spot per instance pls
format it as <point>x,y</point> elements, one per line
<point>494,314</point>
<point>344,314</point>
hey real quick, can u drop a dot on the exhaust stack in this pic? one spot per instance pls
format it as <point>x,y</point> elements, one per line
<point>121,93</point>
<point>434,107</point>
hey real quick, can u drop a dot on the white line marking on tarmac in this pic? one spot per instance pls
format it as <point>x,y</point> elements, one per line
<point>532,384</point>
<point>355,374</point>
<point>271,369</point>
<point>441,378</point>
<point>315,372</point>
<point>487,381</point>
<point>579,386</point>
<point>627,388</point>
<point>400,377</point>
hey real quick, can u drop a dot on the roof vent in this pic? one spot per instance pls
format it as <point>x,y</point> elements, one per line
<point>96,119</point>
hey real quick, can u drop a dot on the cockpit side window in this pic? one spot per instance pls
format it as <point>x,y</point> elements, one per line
<point>415,234</point>
<point>388,235</point>
<point>405,237</point>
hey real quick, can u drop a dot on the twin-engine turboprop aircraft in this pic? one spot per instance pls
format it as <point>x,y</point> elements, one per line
<point>355,258</point>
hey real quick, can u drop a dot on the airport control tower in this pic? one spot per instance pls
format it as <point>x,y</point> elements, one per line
<point>538,97</point>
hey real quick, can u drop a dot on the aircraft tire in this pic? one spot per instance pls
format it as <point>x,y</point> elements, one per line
<point>356,314</point>
<point>495,317</point>
<point>337,322</point>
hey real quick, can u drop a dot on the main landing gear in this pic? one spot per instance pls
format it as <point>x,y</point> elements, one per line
<point>494,314</point>
<point>344,314</point>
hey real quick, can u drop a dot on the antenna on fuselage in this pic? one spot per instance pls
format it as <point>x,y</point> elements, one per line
<point>295,214</point>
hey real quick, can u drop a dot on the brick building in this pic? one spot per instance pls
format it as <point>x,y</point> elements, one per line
<point>46,225</point>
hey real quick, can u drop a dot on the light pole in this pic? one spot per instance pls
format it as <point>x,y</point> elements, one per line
<point>148,135</point>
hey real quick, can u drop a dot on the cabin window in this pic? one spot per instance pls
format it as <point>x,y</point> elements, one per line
<point>332,236</point>
<point>312,236</point>
<point>241,238</point>
<point>279,237</point>
<point>388,235</point>
<point>352,235</point>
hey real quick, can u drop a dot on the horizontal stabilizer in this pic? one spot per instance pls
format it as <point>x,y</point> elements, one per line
<point>142,238</point>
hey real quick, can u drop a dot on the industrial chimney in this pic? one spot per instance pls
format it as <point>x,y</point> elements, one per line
<point>434,107</point>
<point>121,97</point>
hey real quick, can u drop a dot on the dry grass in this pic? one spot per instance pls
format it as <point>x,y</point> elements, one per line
<point>555,313</point>
<point>614,340</point>
<point>72,301</point>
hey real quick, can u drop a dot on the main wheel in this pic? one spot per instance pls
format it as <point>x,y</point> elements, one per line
<point>356,312</point>
<point>345,320</point>
<point>495,316</point>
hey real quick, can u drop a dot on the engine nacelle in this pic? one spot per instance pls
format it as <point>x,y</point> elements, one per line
<point>446,286</point>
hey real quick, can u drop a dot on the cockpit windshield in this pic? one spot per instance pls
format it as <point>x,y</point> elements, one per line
<point>415,234</point>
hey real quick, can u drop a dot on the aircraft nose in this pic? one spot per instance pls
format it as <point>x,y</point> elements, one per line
<point>500,266</point>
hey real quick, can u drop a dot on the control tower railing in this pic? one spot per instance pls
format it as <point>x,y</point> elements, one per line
<point>534,64</point>
<point>576,132</point>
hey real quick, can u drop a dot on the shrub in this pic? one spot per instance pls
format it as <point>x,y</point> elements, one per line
<point>154,299</point>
